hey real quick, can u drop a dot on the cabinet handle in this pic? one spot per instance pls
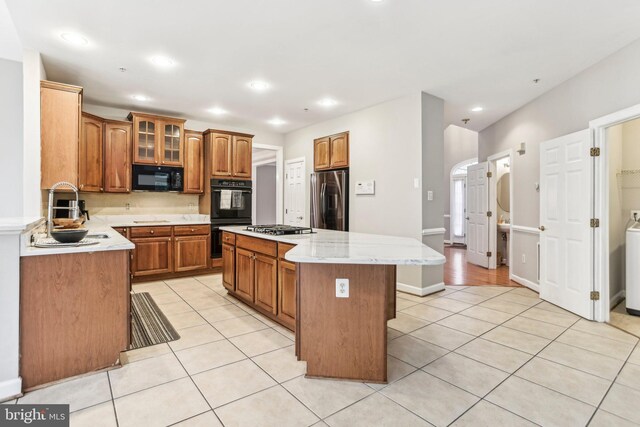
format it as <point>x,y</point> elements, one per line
<point>101,189</point>
<point>127,189</point>
<point>192,230</point>
<point>151,231</point>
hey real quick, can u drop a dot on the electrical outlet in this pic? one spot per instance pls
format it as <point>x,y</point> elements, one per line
<point>416,182</point>
<point>342,288</point>
<point>524,259</point>
<point>127,206</point>
<point>429,195</point>
<point>635,215</point>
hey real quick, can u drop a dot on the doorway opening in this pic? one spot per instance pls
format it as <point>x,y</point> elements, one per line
<point>267,197</point>
<point>469,240</point>
<point>623,226</point>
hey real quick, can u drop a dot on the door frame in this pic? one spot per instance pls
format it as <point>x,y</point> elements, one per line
<point>304,187</point>
<point>493,207</point>
<point>279,180</point>
<point>600,193</point>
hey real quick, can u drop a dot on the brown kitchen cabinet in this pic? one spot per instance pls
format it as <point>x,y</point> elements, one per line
<point>242,155</point>
<point>286,288</point>
<point>229,267</point>
<point>255,271</point>
<point>266,282</point>
<point>152,255</point>
<point>117,157</point>
<point>192,252</point>
<point>229,154</point>
<point>90,165</point>
<point>60,123</point>
<point>193,162</point>
<point>157,140</point>
<point>245,274</point>
<point>331,152</point>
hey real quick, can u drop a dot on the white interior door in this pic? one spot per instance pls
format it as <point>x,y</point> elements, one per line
<point>477,208</point>
<point>566,263</point>
<point>294,195</point>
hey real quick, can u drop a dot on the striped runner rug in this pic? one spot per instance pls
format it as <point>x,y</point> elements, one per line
<point>149,326</point>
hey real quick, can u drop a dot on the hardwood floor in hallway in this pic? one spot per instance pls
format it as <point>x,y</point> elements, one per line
<point>457,271</point>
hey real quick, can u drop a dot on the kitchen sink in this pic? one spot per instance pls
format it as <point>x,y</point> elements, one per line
<point>98,236</point>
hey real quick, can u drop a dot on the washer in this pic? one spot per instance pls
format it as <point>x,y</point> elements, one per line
<point>633,270</point>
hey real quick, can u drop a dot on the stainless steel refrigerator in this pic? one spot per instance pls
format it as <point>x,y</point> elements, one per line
<point>330,200</point>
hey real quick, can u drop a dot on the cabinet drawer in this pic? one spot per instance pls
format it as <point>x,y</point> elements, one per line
<point>283,248</point>
<point>191,230</point>
<point>228,238</point>
<point>121,230</point>
<point>151,231</point>
<point>262,246</point>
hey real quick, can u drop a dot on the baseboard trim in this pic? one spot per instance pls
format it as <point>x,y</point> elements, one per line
<point>433,231</point>
<point>10,389</point>
<point>615,300</point>
<point>525,282</point>
<point>448,242</point>
<point>414,290</point>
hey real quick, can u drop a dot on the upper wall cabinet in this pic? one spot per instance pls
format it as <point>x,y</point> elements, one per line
<point>229,154</point>
<point>157,140</point>
<point>331,152</point>
<point>60,110</point>
<point>90,177</point>
<point>117,156</point>
<point>193,162</point>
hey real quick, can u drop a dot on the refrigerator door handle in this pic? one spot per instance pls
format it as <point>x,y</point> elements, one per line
<point>322,203</point>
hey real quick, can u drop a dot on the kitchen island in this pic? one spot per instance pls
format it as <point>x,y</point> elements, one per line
<point>340,297</point>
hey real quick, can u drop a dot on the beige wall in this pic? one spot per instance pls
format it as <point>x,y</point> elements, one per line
<point>385,143</point>
<point>460,144</point>
<point>11,142</point>
<point>139,203</point>
<point>606,87</point>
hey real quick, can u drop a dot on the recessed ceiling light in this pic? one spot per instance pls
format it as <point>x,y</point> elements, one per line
<point>217,111</point>
<point>327,102</point>
<point>276,121</point>
<point>75,39</point>
<point>477,109</point>
<point>140,97</point>
<point>259,85</point>
<point>162,61</point>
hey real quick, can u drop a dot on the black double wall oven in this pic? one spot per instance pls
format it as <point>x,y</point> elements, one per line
<point>230,205</point>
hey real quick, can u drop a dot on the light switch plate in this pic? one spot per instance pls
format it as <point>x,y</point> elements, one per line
<point>366,187</point>
<point>429,195</point>
<point>342,288</point>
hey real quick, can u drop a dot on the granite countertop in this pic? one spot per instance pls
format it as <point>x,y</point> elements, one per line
<point>338,247</point>
<point>103,224</point>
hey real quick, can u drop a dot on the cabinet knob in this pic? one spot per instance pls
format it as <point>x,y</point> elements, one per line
<point>192,230</point>
<point>127,189</point>
<point>101,189</point>
<point>151,231</point>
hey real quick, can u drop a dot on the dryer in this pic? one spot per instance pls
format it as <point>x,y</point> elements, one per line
<point>633,269</point>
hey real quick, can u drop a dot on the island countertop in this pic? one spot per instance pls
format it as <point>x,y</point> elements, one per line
<point>339,247</point>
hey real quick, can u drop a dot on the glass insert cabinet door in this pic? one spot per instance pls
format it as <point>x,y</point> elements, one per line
<point>146,142</point>
<point>172,145</point>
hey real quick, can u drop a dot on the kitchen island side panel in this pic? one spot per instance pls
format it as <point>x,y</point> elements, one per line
<point>344,338</point>
<point>74,314</point>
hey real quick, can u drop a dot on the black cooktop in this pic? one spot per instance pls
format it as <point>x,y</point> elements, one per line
<point>279,229</point>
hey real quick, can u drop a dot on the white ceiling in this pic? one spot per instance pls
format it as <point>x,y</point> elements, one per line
<point>10,47</point>
<point>359,52</point>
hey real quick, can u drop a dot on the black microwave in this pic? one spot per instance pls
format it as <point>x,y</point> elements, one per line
<point>157,178</point>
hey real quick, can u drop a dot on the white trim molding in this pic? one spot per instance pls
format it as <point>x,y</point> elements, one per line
<point>433,231</point>
<point>526,282</point>
<point>11,389</point>
<point>447,215</point>
<point>523,229</point>
<point>421,292</point>
<point>279,158</point>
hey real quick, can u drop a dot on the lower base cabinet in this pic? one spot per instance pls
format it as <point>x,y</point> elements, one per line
<point>152,255</point>
<point>255,271</point>
<point>192,253</point>
<point>287,293</point>
<point>266,283</point>
<point>166,250</point>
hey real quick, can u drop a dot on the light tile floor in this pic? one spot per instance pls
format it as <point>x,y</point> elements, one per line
<point>467,356</point>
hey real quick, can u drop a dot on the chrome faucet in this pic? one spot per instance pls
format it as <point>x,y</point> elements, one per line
<point>73,206</point>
